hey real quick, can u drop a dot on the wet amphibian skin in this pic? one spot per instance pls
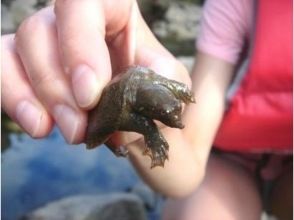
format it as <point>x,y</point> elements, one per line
<point>131,101</point>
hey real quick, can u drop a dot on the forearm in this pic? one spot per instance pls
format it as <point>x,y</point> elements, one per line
<point>180,174</point>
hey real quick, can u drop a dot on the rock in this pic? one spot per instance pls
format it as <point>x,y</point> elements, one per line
<point>119,206</point>
<point>266,216</point>
<point>6,2</point>
<point>181,21</point>
<point>7,24</point>
<point>21,10</point>
<point>124,209</point>
<point>147,195</point>
<point>13,12</point>
<point>153,10</point>
<point>179,28</point>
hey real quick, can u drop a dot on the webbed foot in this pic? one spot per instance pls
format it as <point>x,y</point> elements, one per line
<point>156,149</point>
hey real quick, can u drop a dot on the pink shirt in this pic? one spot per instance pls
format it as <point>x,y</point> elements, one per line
<point>225,25</point>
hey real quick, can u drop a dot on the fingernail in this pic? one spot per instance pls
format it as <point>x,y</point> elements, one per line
<point>67,121</point>
<point>29,117</point>
<point>85,85</point>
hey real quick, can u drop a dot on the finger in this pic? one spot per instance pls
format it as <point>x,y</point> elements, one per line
<point>81,31</point>
<point>84,27</point>
<point>37,46</point>
<point>18,98</point>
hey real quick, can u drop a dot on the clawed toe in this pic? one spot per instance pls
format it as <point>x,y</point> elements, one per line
<point>187,96</point>
<point>158,156</point>
<point>181,92</point>
<point>147,152</point>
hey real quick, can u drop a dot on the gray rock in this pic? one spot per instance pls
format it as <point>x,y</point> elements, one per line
<point>181,21</point>
<point>13,12</point>
<point>146,194</point>
<point>179,28</point>
<point>119,206</point>
<point>123,209</point>
<point>153,10</point>
<point>21,9</point>
<point>266,216</point>
<point>7,24</point>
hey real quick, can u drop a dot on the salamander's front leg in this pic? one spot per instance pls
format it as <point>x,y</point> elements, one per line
<point>181,91</point>
<point>156,149</point>
<point>156,145</point>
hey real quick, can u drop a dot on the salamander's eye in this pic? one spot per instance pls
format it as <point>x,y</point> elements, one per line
<point>163,112</point>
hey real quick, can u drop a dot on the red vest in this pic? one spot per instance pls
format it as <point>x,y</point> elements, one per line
<point>260,115</point>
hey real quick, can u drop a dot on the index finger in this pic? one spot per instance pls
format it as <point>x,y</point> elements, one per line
<point>84,53</point>
<point>83,27</point>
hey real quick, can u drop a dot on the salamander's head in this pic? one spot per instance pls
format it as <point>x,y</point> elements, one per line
<point>160,103</point>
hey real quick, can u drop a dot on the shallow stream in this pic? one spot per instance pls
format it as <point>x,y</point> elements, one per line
<point>35,172</point>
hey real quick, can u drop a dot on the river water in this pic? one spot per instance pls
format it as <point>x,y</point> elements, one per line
<point>35,172</point>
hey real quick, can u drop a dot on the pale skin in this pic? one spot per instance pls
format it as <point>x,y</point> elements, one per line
<point>61,58</point>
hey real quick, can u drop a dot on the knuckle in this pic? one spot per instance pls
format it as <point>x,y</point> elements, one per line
<point>31,23</point>
<point>42,80</point>
<point>59,5</point>
<point>29,27</point>
<point>50,89</point>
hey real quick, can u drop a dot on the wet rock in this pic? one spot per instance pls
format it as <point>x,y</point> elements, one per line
<point>119,206</point>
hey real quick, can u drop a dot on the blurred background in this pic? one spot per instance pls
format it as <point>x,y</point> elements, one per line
<point>50,180</point>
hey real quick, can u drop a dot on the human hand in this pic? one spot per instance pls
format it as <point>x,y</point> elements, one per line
<point>57,64</point>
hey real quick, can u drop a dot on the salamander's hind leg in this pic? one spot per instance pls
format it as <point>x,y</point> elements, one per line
<point>156,145</point>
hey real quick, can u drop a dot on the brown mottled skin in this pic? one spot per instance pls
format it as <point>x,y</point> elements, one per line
<point>131,101</point>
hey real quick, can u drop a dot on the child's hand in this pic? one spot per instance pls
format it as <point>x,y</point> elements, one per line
<point>56,65</point>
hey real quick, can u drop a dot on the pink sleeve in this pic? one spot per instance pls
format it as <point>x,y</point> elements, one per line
<point>224,26</point>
